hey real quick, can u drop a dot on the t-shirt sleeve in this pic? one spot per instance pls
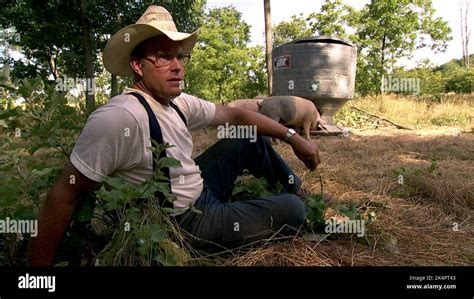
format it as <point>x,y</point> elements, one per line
<point>199,113</point>
<point>109,142</point>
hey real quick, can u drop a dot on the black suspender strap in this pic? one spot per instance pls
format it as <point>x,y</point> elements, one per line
<point>156,134</point>
<point>175,107</point>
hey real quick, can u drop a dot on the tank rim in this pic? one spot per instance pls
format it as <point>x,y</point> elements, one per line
<point>316,39</point>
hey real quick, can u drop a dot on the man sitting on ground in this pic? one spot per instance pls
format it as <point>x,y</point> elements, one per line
<point>116,139</point>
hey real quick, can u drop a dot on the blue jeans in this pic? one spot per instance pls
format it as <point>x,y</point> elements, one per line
<point>235,223</point>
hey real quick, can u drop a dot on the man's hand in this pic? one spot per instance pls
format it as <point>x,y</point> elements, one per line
<point>306,151</point>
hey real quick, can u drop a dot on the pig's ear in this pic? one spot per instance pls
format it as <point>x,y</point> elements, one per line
<point>259,103</point>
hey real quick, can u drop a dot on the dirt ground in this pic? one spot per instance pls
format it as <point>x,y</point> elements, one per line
<point>427,220</point>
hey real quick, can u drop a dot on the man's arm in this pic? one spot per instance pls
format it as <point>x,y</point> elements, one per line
<point>55,215</point>
<point>305,150</point>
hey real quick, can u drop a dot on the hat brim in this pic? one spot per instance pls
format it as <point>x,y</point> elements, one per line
<point>120,46</point>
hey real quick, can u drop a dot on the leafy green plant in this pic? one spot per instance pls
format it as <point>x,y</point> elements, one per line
<point>142,231</point>
<point>352,118</point>
<point>365,212</point>
<point>349,211</point>
<point>245,188</point>
<point>44,119</point>
<point>411,179</point>
<point>254,188</point>
<point>315,209</point>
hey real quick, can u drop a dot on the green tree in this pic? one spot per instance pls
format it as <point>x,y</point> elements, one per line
<point>458,79</point>
<point>296,28</point>
<point>432,82</point>
<point>393,29</point>
<point>223,67</point>
<point>60,37</point>
<point>333,19</point>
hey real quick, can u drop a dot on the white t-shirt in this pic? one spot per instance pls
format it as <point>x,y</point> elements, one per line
<point>116,138</point>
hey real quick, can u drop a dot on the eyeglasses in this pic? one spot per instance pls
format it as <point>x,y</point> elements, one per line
<point>163,59</point>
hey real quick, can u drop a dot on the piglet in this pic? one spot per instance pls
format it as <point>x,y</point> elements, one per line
<point>292,111</point>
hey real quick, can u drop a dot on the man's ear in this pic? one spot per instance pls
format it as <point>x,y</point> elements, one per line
<point>136,66</point>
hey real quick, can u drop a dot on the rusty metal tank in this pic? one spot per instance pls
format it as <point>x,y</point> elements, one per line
<point>321,69</point>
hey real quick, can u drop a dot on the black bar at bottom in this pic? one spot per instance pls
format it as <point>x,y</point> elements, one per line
<point>193,282</point>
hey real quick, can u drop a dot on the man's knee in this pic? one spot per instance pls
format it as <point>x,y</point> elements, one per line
<point>289,210</point>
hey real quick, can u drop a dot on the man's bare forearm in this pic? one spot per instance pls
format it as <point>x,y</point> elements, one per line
<point>54,218</point>
<point>55,215</point>
<point>265,126</point>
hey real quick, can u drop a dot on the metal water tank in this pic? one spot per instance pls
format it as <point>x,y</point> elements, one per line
<point>321,69</point>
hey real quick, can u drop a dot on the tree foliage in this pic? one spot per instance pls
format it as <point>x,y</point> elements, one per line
<point>54,42</point>
<point>333,19</point>
<point>394,29</point>
<point>287,31</point>
<point>223,67</point>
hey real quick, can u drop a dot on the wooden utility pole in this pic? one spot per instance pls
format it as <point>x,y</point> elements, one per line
<point>269,44</point>
<point>465,32</point>
<point>88,59</point>
<point>113,78</point>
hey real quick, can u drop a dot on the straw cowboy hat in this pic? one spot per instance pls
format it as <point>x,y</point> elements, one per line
<point>155,21</point>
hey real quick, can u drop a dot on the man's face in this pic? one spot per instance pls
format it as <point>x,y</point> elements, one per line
<point>163,81</point>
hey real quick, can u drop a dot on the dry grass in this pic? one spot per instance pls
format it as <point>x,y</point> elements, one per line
<point>291,253</point>
<point>411,111</point>
<point>413,229</point>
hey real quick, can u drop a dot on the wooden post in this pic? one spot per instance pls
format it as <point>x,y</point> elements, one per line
<point>268,40</point>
